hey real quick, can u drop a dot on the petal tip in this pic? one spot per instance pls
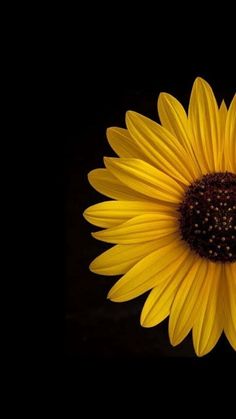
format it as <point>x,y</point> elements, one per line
<point>111,296</point>
<point>91,176</point>
<point>163,96</point>
<point>144,323</point>
<point>174,342</point>
<point>142,320</point>
<point>174,339</point>
<point>129,115</point>
<point>107,160</point>
<point>115,295</point>
<point>199,353</point>
<point>108,131</point>
<point>199,82</point>
<point>85,214</point>
<point>92,267</point>
<point>199,79</point>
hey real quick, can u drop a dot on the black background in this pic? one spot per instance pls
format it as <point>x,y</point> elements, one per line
<point>101,83</point>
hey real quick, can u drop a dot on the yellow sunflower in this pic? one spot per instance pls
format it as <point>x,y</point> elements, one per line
<point>172,217</point>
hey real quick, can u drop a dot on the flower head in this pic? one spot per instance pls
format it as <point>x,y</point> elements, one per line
<point>172,217</point>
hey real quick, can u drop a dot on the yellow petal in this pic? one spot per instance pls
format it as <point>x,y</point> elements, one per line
<point>230,303</point>
<point>122,143</point>
<point>161,147</point>
<point>223,116</point>
<point>186,302</point>
<point>230,137</point>
<point>112,213</point>
<point>120,258</point>
<point>174,118</point>
<point>145,179</point>
<point>147,273</point>
<point>158,304</point>
<point>205,122</point>
<point>139,229</point>
<point>107,184</point>
<point>209,320</point>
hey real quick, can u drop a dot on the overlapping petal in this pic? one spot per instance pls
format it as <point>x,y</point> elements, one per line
<point>139,229</point>
<point>122,257</point>
<point>230,303</point>
<point>148,273</point>
<point>145,179</point>
<point>158,304</point>
<point>123,144</point>
<point>174,118</point>
<point>208,325</point>
<point>186,302</point>
<point>108,185</point>
<point>162,149</point>
<point>230,137</point>
<point>205,124</point>
<point>112,213</point>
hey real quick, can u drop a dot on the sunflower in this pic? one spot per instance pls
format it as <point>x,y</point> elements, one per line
<point>172,217</point>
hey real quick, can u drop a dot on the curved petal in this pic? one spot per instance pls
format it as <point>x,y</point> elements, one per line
<point>223,116</point>
<point>147,273</point>
<point>174,118</point>
<point>230,303</point>
<point>145,179</point>
<point>209,321</point>
<point>122,257</point>
<point>139,229</point>
<point>107,184</point>
<point>230,137</point>
<point>122,143</point>
<point>158,304</point>
<point>161,147</point>
<point>186,303</point>
<point>112,213</point>
<point>205,123</point>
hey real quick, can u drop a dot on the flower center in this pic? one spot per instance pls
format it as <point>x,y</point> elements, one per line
<point>208,217</point>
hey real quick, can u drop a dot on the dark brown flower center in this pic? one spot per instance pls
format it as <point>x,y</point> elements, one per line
<point>208,217</point>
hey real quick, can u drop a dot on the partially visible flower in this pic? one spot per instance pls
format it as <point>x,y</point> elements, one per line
<point>172,217</point>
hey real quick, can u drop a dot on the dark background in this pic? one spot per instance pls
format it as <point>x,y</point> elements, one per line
<point>101,84</point>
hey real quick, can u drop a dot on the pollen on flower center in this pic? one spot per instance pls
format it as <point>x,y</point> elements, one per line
<point>208,217</point>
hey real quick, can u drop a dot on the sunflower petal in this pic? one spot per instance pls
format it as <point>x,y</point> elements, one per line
<point>122,143</point>
<point>205,122</point>
<point>209,322</point>
<point>111,213</point>
<point>223,115</point>
<point>139,229</point>
<point>120,258</point>
<point>174,118</point>
<point>145,179</point>
<point>186,302</point>
<point>161,147</point>
<point>230,137</point>
<point>158,304</point>
<point>104,182</point>
<point>230,303</point>
<point>147,273</point>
